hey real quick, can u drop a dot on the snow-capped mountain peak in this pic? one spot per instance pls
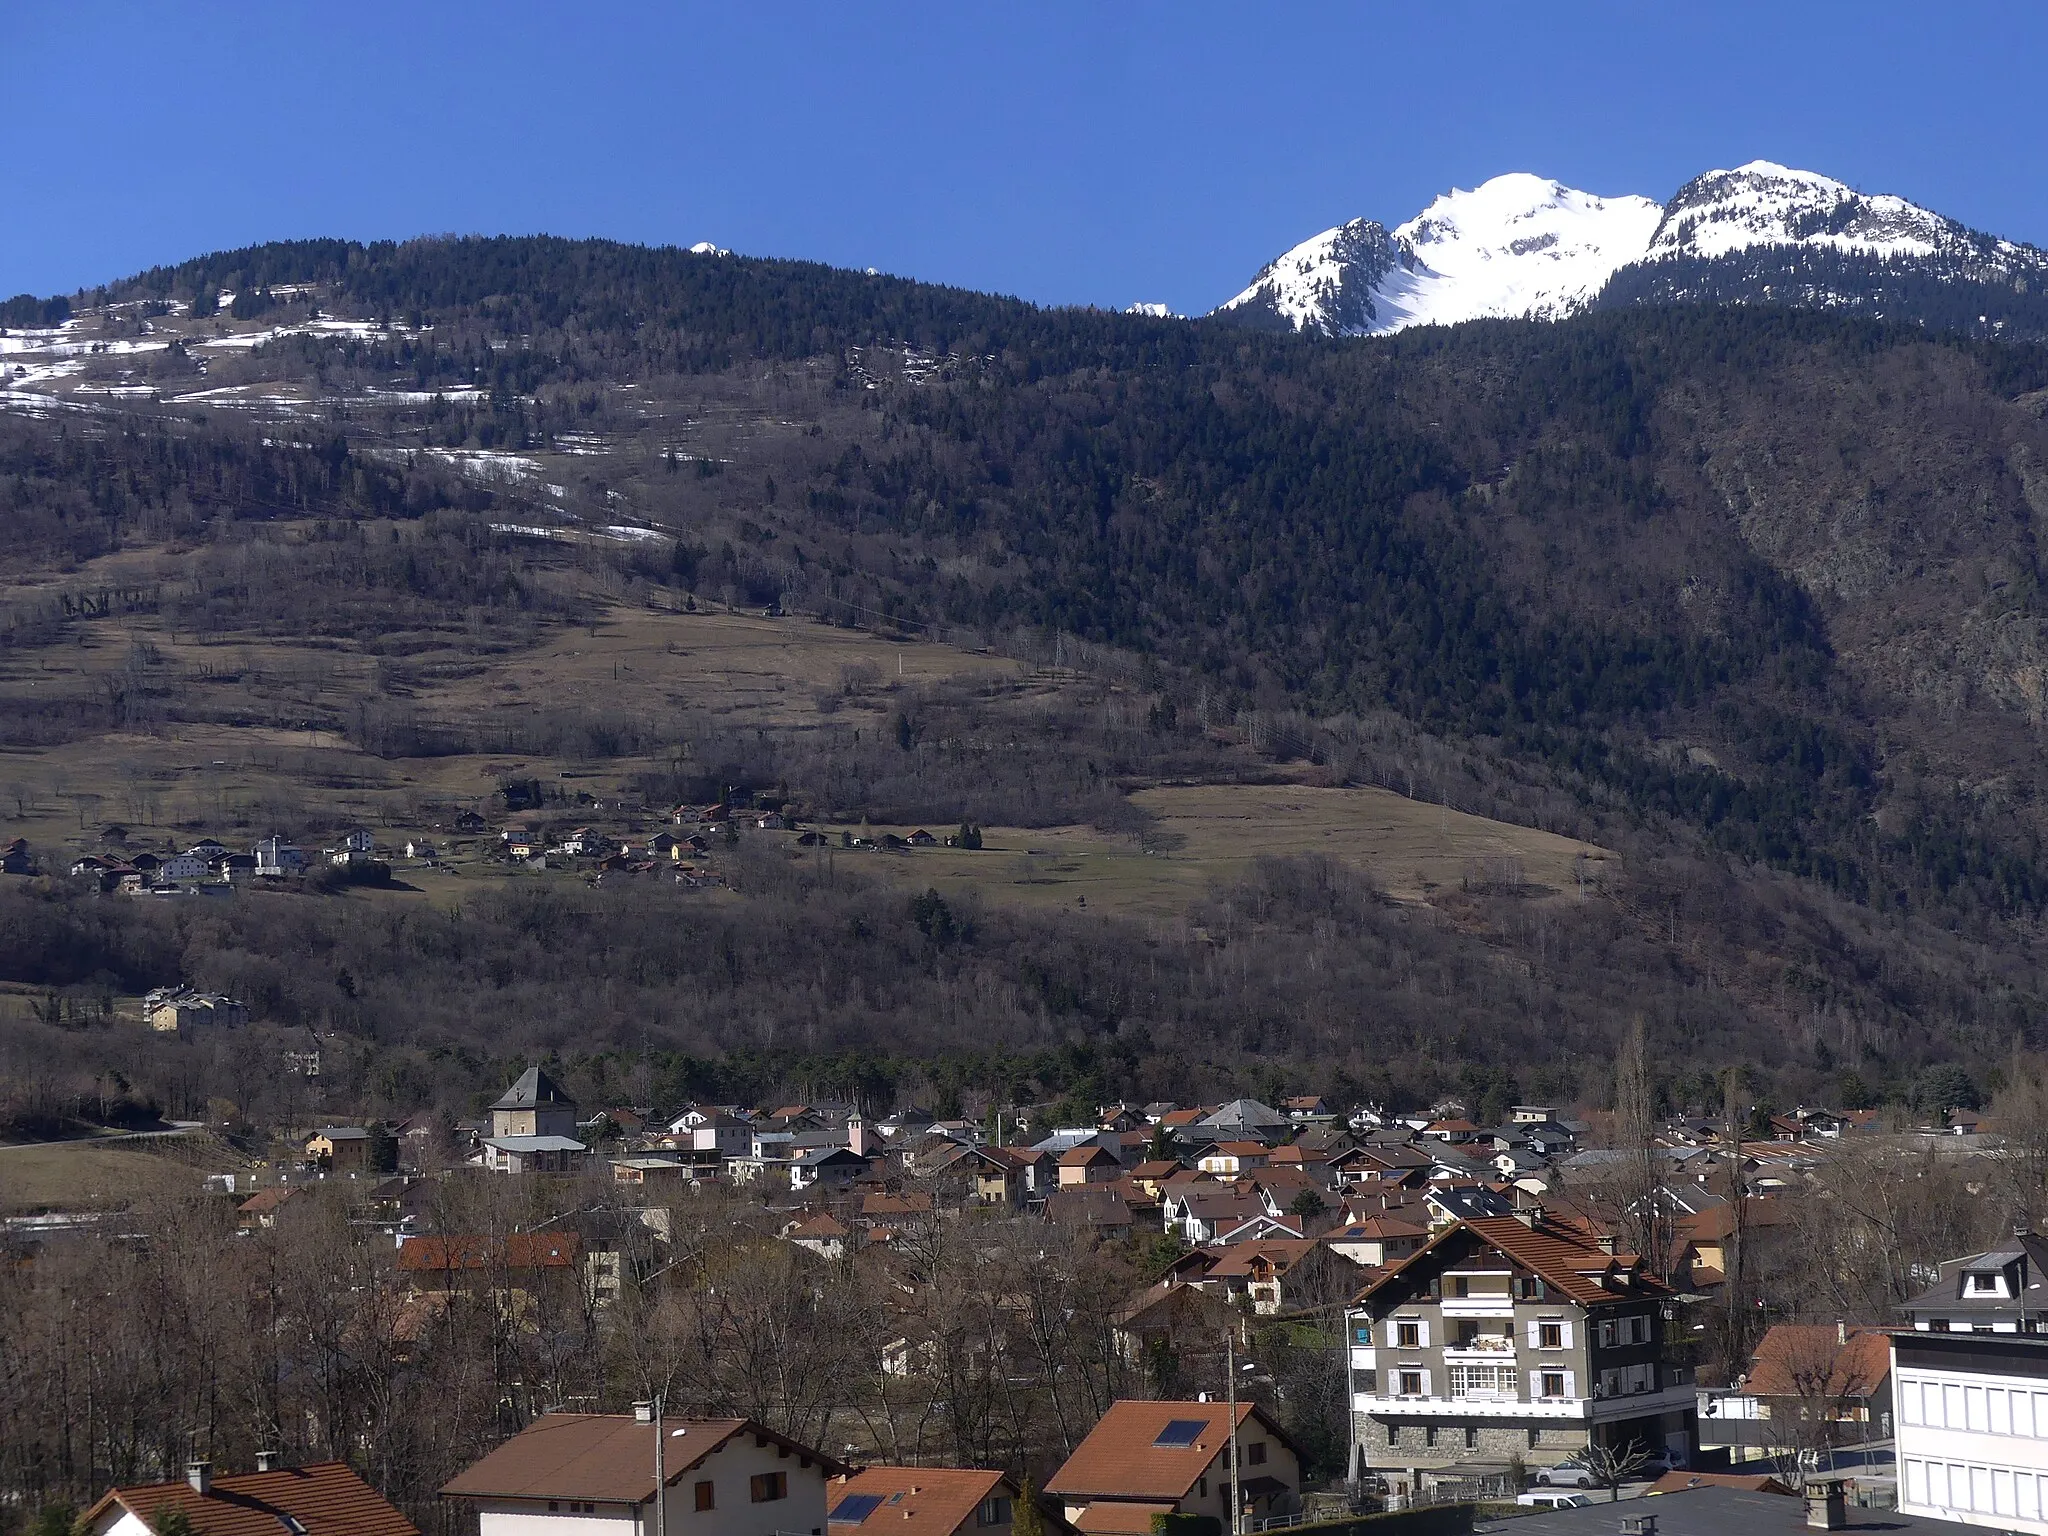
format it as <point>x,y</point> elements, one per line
<point>1763,203</point>
<point>1324,284</point>
<point>1523,246</point>
<point>1516,245</point>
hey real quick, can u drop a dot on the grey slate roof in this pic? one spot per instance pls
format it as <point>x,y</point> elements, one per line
<point>534,1090</point>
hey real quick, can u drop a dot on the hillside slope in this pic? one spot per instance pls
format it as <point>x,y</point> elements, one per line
<point>1751,597</point>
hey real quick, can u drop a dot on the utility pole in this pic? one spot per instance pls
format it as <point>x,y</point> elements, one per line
<point>1230,1394</point>
<point>650,1413</point>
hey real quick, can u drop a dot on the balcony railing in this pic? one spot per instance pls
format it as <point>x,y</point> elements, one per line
<point>1482,1344</point>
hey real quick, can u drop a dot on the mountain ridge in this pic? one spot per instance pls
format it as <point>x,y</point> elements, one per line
<point>1520,246</point>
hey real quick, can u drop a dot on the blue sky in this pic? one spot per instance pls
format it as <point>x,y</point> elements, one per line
<point>1070,153</point>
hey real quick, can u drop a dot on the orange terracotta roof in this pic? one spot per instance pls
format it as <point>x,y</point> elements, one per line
<point>520,1250</point>
<point>1081,1157</point>
<point>325,1499</point>
<point>1121,1458</point>
<point>607,1456</point>
<point>916,1501</point>
<point>1791,1358</point>
<point>1119,1517</point>
<point>264,1201</point>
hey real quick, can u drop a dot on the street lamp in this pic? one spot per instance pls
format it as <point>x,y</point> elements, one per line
<point>649,1412</point>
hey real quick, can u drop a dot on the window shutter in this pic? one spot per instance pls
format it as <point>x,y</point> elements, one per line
<point>1566,1336</point>
<point>1535,1333</point>
<point>1425,1338</point>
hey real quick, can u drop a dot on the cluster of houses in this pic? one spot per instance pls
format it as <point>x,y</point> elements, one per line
<point>647,1471</point>
<point>1496,1325</point>
<point>210,867</point>
<point>1962,1393</point>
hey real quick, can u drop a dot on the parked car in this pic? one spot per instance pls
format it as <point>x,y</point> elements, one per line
<point>1553,1500</point>
<point>1571,1473</point>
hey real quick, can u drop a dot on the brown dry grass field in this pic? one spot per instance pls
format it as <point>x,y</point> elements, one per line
<point>87,1175</point>
<point>1217,832</point>
<point>733,670</point>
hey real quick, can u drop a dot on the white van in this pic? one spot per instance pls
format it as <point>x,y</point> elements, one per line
<point>1553,1499</point>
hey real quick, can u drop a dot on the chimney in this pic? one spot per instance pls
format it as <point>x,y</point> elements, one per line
<point>1826,1508</point>
<point>269,1461</point>
<point>643,1413</point>
<point>200,1475</point>
<point>1841,1333</point>
<point>1640,1525</point>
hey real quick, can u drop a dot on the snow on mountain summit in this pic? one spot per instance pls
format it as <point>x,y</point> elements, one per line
<point>1763,203</point>
<point>1517,245</point>
<point>1523,246</point>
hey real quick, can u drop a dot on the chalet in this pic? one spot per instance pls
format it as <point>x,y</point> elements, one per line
<point>1203,1213</point>
<point>592,1474</point>
<point>1091,1164</point>
<point>1146,1459</point>
<point>827,1168</point>
<point>512,1269</point>
<point>1174,1318</point>
<point>15,858</point>
<point>823,1234</point>
<point>922,839</point>
<point>1514,1336</point>
<point>322,1499</point>
<point>1377,1241</point>
<point>261,1208</point>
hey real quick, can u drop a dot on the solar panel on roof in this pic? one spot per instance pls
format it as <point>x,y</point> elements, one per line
<point>1179,1434</point>
<point>854,1508</point>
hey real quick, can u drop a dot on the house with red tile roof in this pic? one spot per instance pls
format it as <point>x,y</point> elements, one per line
<point>324,1499</point>
<point>925,1501</point>
<point>1520,1336</point>
<point>1153,1458</point>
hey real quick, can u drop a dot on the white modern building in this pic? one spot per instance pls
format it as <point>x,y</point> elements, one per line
<point>1972,1427</point>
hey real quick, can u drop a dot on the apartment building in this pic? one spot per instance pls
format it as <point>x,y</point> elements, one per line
<point>1972,1427</point>
<point>1513,1336</point>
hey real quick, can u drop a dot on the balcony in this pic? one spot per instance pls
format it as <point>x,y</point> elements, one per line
<point>1488,1346</point>
<point>1488,1304</point>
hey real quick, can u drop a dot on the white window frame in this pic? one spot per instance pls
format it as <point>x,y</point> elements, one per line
<point>1402,1372</point>
<point>1536,1393</point>
<point>1564,1332</point>
<point>1421,1325</point>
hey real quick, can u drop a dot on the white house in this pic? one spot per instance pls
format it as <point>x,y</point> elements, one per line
<point>275,856</point>
<point>1972,1427</point>
<point>592,1474</point>
<point>183,866</point>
